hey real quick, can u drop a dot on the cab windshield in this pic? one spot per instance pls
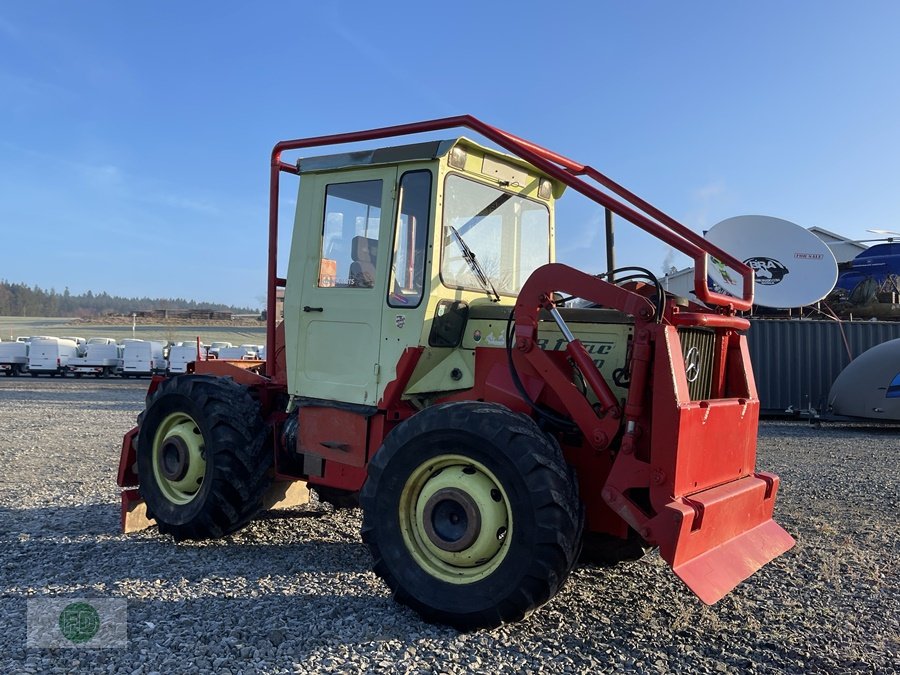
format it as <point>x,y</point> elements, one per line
<point>508,235</point>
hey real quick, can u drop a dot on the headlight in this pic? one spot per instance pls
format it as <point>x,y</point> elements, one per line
<point>545,189</point>
<point>457,158</point>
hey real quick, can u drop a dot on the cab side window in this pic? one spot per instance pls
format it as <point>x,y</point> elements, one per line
<point>410,240</point>
<point>350,235</point>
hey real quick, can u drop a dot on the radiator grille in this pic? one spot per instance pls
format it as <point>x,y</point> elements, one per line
<point>698,350</point>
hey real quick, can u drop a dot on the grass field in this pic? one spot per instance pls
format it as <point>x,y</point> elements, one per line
<point>241,333</point>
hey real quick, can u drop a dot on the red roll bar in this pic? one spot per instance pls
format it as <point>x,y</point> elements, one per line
<point>648,217</point>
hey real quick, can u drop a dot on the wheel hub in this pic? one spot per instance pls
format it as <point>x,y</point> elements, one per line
<point>173,458</point>
<point>455,518</point>
<point>451,519</point>
<point>179,458</point>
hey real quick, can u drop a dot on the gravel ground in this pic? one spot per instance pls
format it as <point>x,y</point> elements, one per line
<point>294,593</point>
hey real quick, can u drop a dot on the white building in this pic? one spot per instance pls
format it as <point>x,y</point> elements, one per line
<point>844,249</point>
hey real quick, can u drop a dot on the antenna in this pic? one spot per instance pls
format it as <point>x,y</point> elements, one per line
<point>792,266</point>
<point>886,235</point>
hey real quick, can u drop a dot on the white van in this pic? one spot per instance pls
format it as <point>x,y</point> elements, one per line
<point>14,358</point>
<point>180,356</point>
<point>143,357</point>
<point>101,360</point>
<point>216,346</point>
<point>80,343</point>
<point>50,356</point>
<point>101,341</point>
<point>253,350</point>
<point>236,353</point>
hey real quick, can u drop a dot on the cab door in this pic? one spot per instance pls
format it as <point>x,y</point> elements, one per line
<point>344,286</point>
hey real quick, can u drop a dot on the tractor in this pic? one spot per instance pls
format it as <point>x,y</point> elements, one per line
<point>492,411</point>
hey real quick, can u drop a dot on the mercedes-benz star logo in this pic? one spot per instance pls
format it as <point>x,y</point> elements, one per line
<point>692,364</point>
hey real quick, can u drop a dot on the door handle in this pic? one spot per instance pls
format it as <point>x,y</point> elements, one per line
<point>307,308</point>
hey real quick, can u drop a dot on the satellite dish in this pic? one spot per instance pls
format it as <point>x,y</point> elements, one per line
<point>792,266</point>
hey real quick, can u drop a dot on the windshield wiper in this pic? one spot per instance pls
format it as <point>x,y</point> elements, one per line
<point>485,212</point>
<point>477,271</point>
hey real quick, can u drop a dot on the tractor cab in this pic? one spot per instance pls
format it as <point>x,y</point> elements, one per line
<point>393,248</point>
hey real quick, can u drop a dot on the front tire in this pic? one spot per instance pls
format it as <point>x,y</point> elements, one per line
<point>471,515</point>
<point>203,460</point>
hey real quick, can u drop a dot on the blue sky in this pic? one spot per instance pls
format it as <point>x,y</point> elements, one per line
<point>134,137</point>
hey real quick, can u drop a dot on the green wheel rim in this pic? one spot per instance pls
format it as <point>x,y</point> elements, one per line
<point>179,458</point>
<point>455,519</point>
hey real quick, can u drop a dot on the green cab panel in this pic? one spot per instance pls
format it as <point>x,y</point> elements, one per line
<point>337,277</point>
<point>605,335</point>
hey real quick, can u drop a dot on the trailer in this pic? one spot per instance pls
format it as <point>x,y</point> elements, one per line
<point>237,353</point>
<point>14,358</point>
<point>100,360</point>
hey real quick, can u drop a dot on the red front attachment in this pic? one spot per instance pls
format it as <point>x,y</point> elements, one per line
<point>708,511</point>
<point>684,470</point>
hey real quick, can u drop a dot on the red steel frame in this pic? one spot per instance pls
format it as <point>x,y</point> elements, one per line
<point>553,164</point>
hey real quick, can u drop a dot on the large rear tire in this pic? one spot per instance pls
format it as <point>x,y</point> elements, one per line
<point>471,515</point>
<point>203,460</point>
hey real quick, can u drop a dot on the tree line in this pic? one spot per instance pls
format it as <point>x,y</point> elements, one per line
<point>24,300</point>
